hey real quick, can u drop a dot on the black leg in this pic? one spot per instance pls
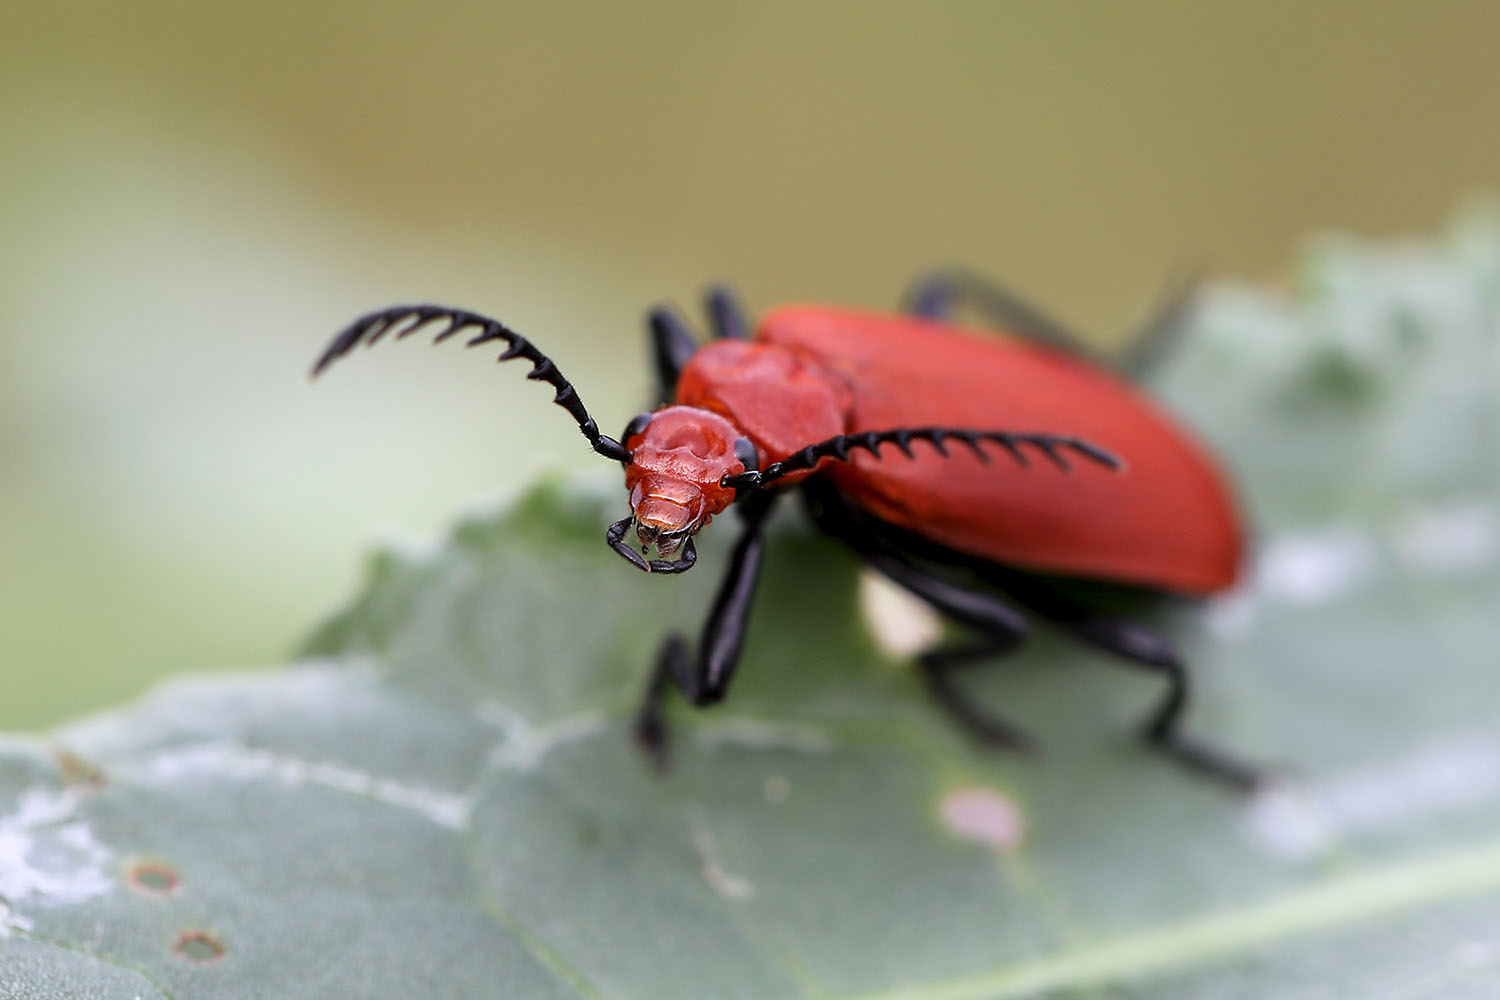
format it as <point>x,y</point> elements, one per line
<point>672,344</point>
<point>938,667</point>
<point>1154,342</point>
<point>726,315</point>
<point>1001,626</point>
<point>1003,629</point>
<point>1163,728</point>
<point>1140,647</point>
<point>942,293</point>
<point>704,679</point>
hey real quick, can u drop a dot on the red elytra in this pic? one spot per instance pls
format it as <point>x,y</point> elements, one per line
<point>922,446</point>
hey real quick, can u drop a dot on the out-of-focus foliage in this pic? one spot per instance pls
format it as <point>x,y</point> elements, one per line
<point>441,800</point>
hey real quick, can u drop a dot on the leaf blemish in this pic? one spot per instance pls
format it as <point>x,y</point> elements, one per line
<point>76,772</point>
<point>48,855</point>
<point>982,816</point>
<point>524,745</point>
<point>900,624</point>
<point>153,878</point>
<point>233,762</point>
<point>199,947</point>
<point>722,882</point>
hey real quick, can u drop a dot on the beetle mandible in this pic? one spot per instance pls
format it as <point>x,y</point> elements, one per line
<point>982,475</point>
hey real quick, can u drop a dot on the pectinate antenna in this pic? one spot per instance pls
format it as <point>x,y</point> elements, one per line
<point>1053,446</point>
<point>402,321</point>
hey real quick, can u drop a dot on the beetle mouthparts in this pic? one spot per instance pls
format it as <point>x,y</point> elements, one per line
<point>666,544</point>
<point>615,536</point>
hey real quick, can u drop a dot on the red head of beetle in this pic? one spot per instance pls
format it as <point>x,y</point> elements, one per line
<point>677,463</point>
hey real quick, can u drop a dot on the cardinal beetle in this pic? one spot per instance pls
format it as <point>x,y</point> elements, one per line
<point>978,473</point>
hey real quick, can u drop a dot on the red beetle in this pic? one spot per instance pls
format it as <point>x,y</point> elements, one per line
<point>821,398</point>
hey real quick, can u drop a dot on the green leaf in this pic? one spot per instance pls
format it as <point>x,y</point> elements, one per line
<point>442,799</point>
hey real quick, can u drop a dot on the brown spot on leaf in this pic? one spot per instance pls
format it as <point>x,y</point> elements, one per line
<point>199,946</point>
<point>76,772</point>
<point>153,878</point>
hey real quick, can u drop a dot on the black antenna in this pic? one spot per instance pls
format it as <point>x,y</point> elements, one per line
<point>370,327</point>
<point>1051,445</point>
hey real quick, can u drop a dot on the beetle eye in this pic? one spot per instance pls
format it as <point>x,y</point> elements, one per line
<point>637,424</point>
<point>744,450</point>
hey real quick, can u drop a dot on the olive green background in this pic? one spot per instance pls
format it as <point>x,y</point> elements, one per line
<point>194,196</point>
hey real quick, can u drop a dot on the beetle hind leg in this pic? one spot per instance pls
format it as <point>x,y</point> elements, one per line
<point>943,293</point>
<point>1137,646</point>
<point>1162,731</point>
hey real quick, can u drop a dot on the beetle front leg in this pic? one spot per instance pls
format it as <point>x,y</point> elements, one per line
<point>703,677</point>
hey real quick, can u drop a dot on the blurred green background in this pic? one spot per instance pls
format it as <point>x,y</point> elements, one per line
<point>194,196</point>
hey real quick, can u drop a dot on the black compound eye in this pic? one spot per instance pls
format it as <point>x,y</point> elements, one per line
<point>637,424</point>
<point>745,451</point>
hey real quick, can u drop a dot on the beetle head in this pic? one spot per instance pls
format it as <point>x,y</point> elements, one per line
<point>677,459</point>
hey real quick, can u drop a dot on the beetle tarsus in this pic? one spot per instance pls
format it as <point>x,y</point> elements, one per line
<point>650,725</point>
<point>1209,762</point>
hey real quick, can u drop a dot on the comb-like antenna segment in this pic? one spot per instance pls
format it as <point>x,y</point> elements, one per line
<point>1053,446</point>
<point>406,320</point>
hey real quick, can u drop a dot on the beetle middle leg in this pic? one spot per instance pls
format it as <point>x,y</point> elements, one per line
<point>1000,626</point>
<point>703,676</point>
<point>672,340</point>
